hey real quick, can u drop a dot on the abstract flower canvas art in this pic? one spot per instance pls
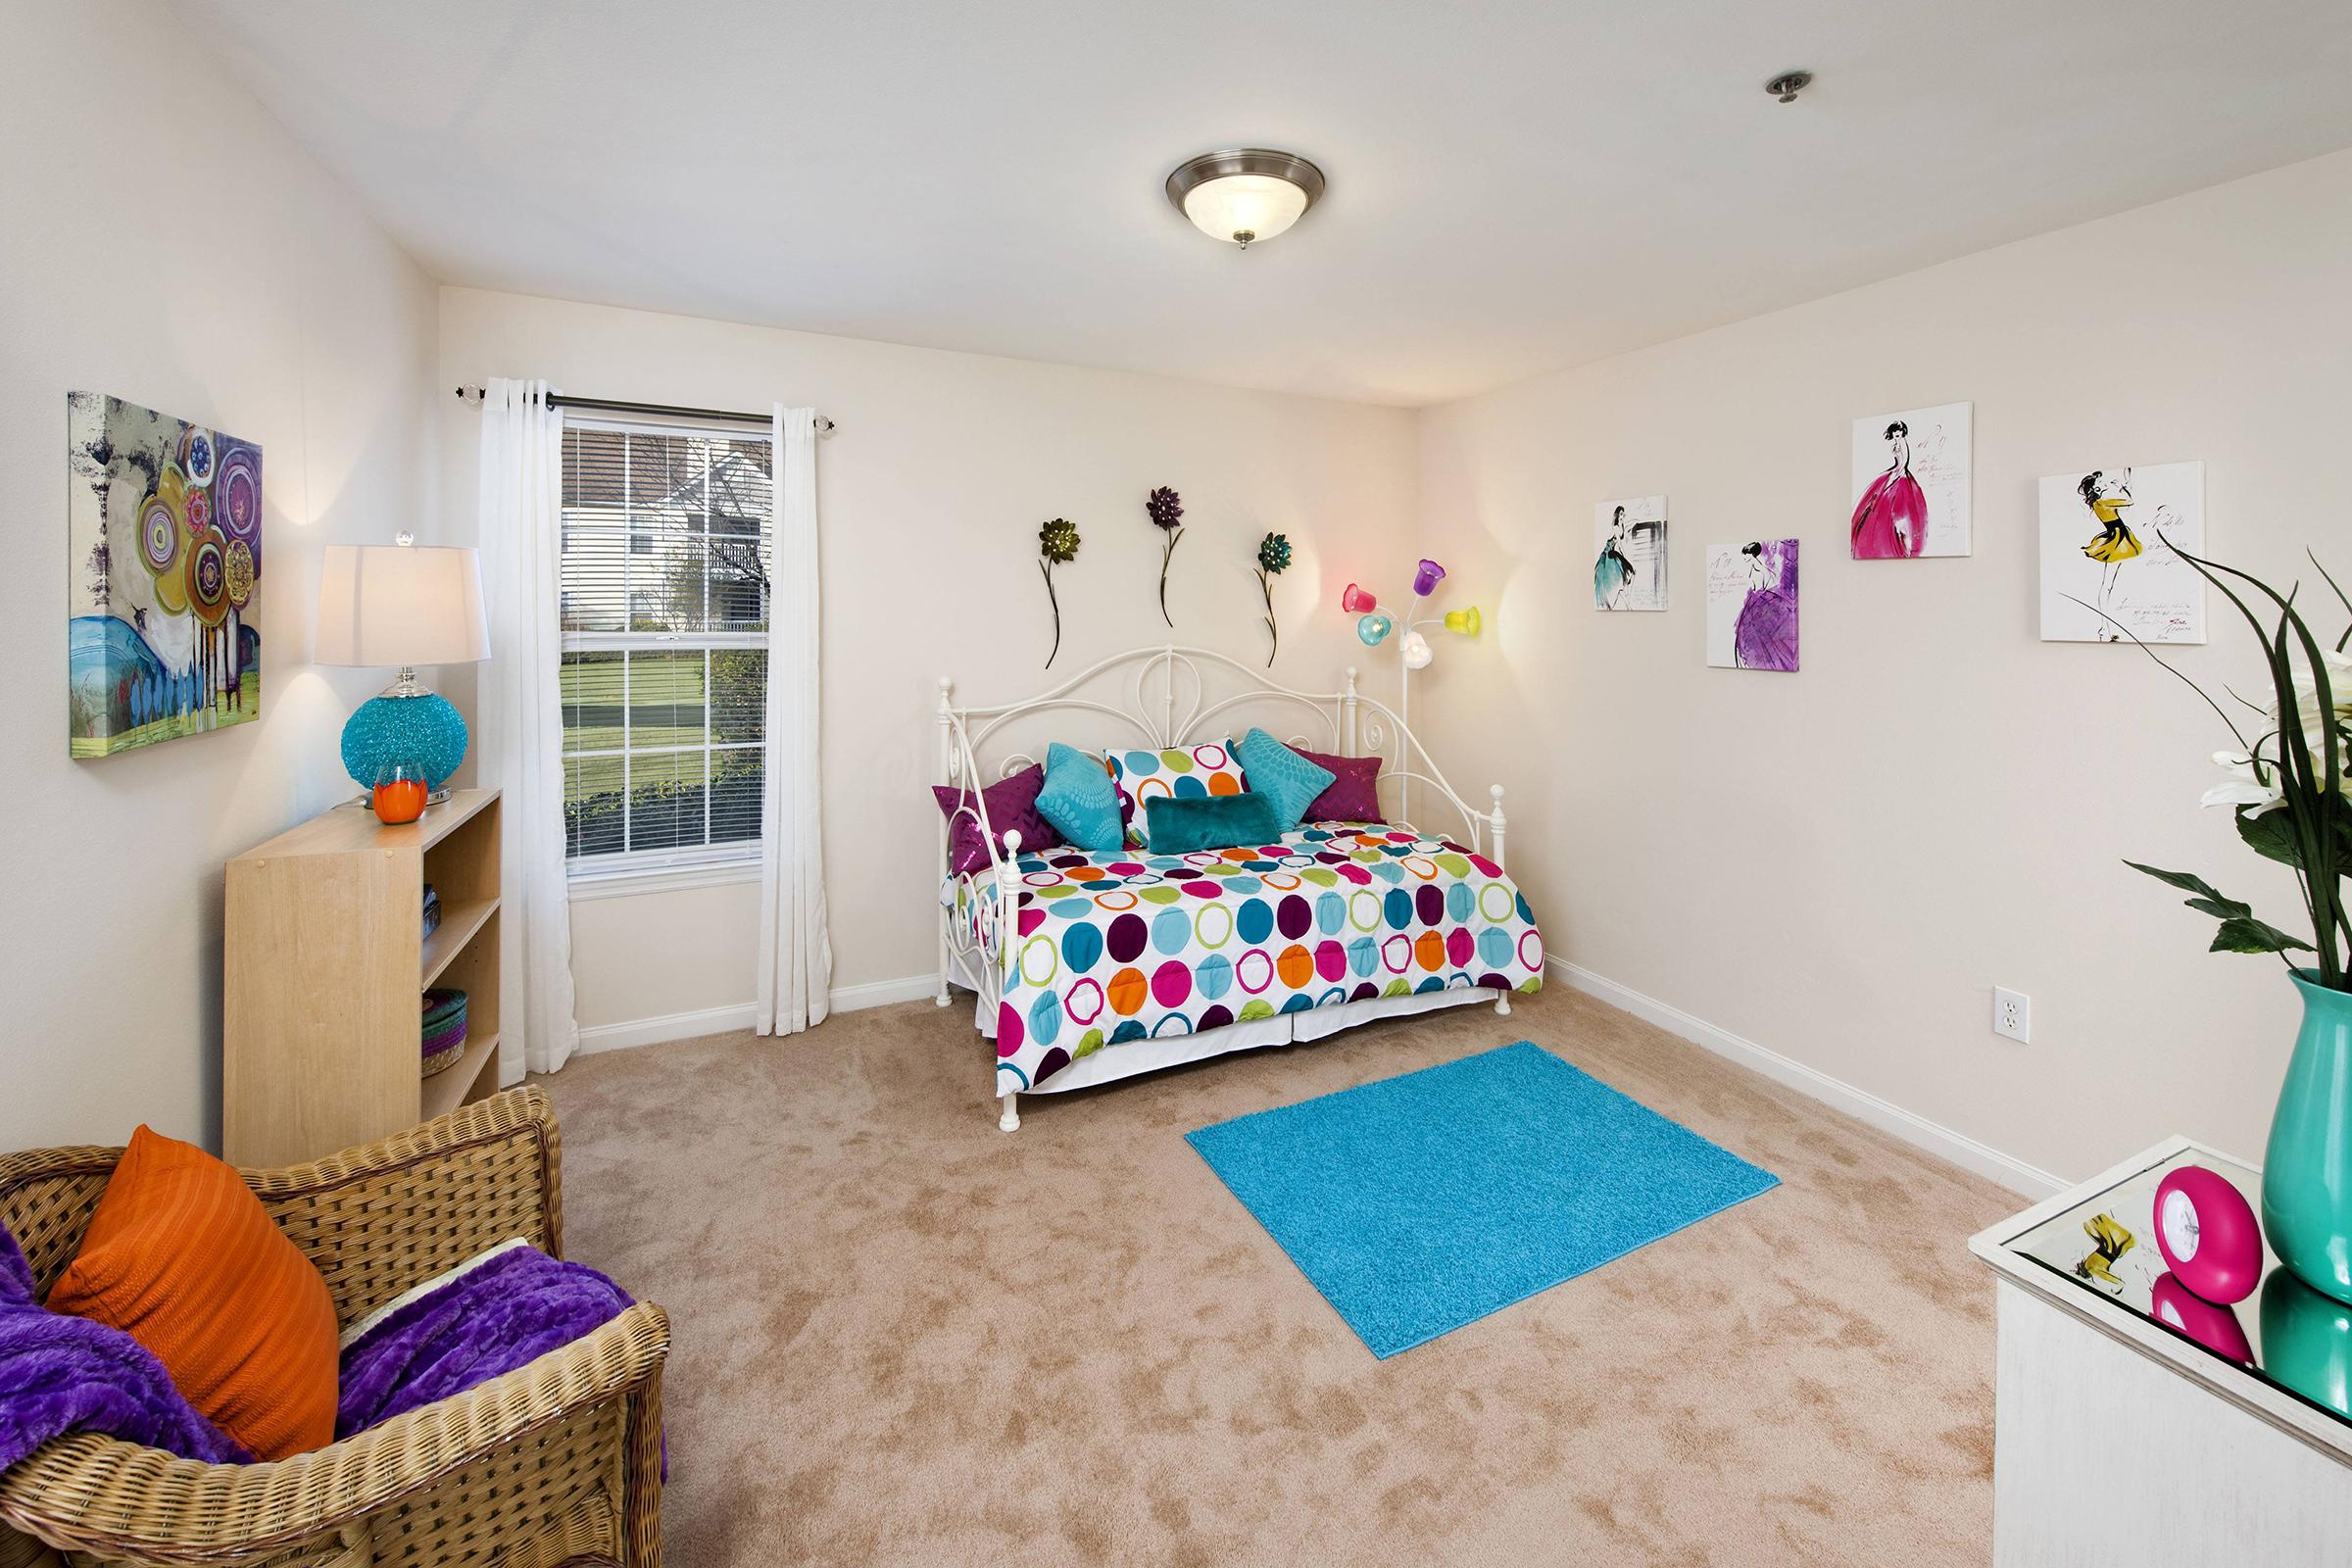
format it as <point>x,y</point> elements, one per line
<point>1911,478</point>
<point>1752,605</point>
<point>163,530</point>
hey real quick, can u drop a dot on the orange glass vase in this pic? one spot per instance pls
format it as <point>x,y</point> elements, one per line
<point>400,793</point>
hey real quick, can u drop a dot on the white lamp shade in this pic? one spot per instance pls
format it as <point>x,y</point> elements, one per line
<point>392,604</point>
<point>1244,209</point>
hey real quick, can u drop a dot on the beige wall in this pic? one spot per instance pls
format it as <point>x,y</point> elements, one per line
<point>162,240</point>
<point>929,499</point>
<point>1839,864</point>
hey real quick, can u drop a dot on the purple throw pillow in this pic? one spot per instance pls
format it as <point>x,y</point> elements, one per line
<point>1012,806</point>
<point>1354,793</point>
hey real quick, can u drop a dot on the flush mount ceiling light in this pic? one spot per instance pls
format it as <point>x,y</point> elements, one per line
<point>1245,194</point>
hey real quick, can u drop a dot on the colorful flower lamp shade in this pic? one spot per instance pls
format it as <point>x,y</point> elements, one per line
<point>1463,621</point>
<point>1417,652</point>
<point>1426,578</point>
<point>1371,629</point>
<point>1356,602</point>
<point>401,606</point>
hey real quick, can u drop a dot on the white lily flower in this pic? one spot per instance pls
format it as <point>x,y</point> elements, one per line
<point>2315,723</point>
<point>2243,786</point>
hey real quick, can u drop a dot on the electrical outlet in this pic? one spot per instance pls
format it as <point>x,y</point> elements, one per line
<point>2012,1014</point>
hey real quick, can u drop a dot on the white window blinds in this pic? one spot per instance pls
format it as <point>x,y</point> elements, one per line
<point>666,593</point>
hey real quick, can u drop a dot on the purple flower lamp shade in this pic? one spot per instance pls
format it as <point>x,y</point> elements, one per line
<point>1372,628</point>
<point>1427,578</point>
<point>1356,602</point>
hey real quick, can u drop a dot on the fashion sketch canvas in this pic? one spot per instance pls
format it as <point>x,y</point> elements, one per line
<point>2111,570</point>
<point>1629,554</point>
<point>163,554</point>
<point>1911,484</point>
<point>1752,605</point>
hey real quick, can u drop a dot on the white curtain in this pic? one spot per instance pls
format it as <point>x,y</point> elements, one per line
<point>522,750</point>
<point>795,955</point>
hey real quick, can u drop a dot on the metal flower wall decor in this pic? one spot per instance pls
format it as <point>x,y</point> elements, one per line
<point>1273,560</point>
<point>1166,512</point>
<point>1056,543</point>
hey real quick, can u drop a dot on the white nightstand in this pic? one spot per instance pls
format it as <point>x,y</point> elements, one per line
<point>2120,1440</point>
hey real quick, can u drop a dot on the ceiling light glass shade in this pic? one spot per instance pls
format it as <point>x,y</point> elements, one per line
<point>1417,652</point>
<point>1427,578</point>
<point>1372,628</point>
<point>1243,195</point>
<point>1465,622</point>
<point>1245,208</point>
<point>1356,602</point>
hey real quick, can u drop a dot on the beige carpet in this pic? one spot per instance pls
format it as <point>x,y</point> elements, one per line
<point>903,1337</point>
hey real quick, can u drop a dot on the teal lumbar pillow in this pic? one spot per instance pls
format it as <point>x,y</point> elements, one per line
<point>1185,825</point>
<point>1274,769</point>
<point>1080,800</point>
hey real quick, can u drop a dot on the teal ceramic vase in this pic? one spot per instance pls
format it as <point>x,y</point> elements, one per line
<point>2307,1341</point>
<point>2307,1170</point>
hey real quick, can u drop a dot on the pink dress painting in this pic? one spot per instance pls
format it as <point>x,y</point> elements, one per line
<point>1890,520</point>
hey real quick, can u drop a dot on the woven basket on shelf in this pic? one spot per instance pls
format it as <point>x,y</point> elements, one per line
<point>444,1029</point>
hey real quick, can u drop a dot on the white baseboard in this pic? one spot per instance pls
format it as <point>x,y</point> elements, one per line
<point>669,1026</point>
<point>1938,1140</point>
<point>726,1020</point>
<point>882,992</point>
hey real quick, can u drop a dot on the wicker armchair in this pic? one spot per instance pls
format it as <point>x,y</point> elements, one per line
<point>557,1462</point>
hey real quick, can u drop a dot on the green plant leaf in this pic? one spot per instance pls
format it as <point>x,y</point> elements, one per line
<point>2186,881</point>
<point>2244,934</point>
<point>2221,908</point>
<point>2271,835</point>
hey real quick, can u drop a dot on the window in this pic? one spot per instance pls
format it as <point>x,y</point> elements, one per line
<point>665,586</point>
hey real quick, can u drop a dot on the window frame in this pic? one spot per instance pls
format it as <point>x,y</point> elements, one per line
<point>621,871</point>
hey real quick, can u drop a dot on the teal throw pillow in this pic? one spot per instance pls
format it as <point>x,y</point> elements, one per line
<point>1276,770</point>
<point>1080,800</point>
<point>1185,825</point>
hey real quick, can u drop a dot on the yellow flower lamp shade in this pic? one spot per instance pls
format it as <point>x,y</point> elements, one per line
<point>1465,622</point>
<point>401,606</point>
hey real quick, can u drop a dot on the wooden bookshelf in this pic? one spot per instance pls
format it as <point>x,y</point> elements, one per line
<point>325,964</point>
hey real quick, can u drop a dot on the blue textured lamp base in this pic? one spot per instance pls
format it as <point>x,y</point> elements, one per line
<point>427,730</point>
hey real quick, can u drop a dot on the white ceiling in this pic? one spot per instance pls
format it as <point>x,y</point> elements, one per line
<point>1515,186</point>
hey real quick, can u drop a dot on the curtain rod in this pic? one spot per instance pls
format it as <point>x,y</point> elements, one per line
<point>557,399</point>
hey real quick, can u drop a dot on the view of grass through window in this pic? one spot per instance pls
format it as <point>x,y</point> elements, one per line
<point>665,602</point>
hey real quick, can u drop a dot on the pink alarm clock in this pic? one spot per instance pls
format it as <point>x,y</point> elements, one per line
<point>2214,1325</point>
<point>2208,1234</point>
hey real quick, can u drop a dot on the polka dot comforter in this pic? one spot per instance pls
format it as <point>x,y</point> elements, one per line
<point>1125,945</point>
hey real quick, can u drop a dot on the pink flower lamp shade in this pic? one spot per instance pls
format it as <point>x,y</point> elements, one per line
<point>1427,578</point>
<point>1356,602</point>
<point>2208,1234</point>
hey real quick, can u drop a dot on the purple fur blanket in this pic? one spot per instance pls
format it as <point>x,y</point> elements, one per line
<point>504,1313</point>
<point>60,1375</point>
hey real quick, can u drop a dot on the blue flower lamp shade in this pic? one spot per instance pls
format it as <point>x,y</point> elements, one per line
<point>398,607</point>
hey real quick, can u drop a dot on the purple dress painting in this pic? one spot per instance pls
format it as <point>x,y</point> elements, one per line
<point>1752,605</point>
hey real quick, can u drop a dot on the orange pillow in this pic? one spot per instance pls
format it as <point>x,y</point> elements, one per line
<point>182,1256</point>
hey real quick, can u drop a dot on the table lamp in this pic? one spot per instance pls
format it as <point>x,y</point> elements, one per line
<point>402,604</point>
